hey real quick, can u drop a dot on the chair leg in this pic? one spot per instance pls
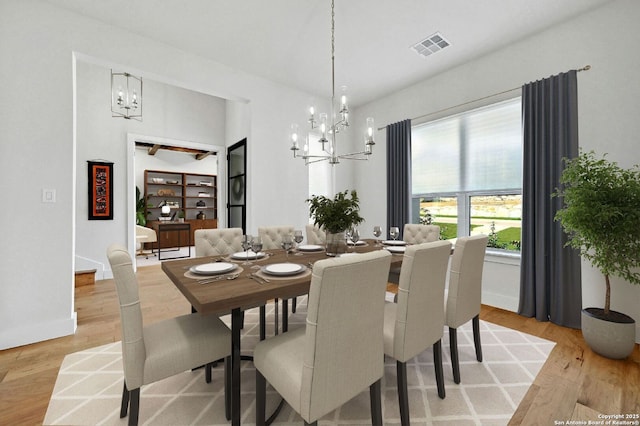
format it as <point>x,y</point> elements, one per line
<point>207,371</point>
<point>276,316</point>
<point>125,401</point>
<point>476,337</point>
<point>293,305</point>
<point>310,424</point>
<point>375,395</point>
<point>135,407</point>
<point>453,348</point>
<point>437,362</point>
<point>261,396</point>
<point>227,387</point>
<point>403,394</point>
<point>285,315</point>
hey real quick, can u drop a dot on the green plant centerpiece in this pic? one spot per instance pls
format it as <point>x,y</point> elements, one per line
<point>601,216</point>
<point>335,216</point>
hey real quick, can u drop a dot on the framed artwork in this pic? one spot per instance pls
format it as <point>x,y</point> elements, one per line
<point>100,190</point>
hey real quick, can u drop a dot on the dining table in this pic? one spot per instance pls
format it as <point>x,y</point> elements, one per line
<point>253,281</point>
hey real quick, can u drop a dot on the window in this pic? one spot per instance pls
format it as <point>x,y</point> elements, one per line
<point>467,174</point>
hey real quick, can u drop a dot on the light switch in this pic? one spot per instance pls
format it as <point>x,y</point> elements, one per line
<point>48,195</point>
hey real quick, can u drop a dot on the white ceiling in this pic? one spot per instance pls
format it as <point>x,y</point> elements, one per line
<point>289,41</point>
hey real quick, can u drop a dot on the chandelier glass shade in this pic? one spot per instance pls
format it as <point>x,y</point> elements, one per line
<point>329,125</point>
<point>126,96</point>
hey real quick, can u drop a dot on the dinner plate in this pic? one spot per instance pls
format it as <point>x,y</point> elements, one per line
<point>310,247</point>
<point>283,269</point>
<point>394,243</point>
<point>395,249</point>
<point>213,268</point>
<point>250,255</point>
<point>358,243</point>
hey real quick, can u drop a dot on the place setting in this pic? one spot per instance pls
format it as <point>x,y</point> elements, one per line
<point>214,271</point>
<point>394,245</point>
<point>282,271</point>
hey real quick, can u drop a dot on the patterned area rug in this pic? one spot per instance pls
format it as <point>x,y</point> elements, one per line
<point>89,385</point>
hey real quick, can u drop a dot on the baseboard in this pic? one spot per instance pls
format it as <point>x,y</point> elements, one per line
<point>38,332</point>
<point>500,301</point>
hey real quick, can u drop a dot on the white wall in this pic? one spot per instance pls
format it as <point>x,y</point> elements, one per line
<point>38,149</point>
<point>168,112</point>
<point>607,39</point>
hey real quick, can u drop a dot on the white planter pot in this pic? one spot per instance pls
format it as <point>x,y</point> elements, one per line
<point>612,338</point>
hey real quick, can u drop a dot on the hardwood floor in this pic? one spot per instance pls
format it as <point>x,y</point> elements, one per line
<point>574,384</point>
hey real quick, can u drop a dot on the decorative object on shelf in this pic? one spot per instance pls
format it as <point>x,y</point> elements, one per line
<point>335,216</point>
<point>166,192</point>
<point>100,182</point>
<point>126,96</point>
<point>165,212</point>
<point>328,127</point>
<point>201,203</point>
<point>201,216</point>
<point>602,219</point>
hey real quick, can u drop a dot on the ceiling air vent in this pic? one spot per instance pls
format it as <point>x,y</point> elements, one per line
<point>431,44</point>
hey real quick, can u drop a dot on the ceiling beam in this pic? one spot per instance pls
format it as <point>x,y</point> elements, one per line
<point>154,149</point>
<point>204,155</point>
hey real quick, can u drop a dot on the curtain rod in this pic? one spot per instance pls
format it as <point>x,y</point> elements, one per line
<point>585,68</point>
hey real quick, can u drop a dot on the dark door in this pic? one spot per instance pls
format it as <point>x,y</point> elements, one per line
<point>237,171</point>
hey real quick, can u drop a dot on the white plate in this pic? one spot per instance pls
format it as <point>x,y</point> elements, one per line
<point>394,243</point>
<point>310,247</point>
<point>358,243</point>
<point>251,255</point>
<point>213,268</point>
<point>283,269</point>
<point>395,249</point>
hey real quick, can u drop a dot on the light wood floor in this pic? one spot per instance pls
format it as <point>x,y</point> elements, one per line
<point>574,384</point>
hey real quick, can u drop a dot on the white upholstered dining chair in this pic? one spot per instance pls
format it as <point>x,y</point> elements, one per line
<point>272,235</point>
<point>464,294</point>
<point>415,234</point>
<point>339,353</point>
<point>315,235</point>
<point>218,242</point>
<point>163,349</point>
<point>416,321</point>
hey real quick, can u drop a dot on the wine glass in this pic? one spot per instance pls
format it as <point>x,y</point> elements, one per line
<point>256,246</point>
<point>297,237</point>
<point>377,231</point>
<point>287,243</point>
<point>355,237</point>
<point>394,231</point>
<point>246,245</point>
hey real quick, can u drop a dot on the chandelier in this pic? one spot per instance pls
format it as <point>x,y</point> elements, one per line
<point>330,125</point>
<point>126,96</point>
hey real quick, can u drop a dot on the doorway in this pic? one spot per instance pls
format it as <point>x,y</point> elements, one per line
<point>237,185</point>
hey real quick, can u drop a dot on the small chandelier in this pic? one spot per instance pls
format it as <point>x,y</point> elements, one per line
<point>328,129</point>
<point>126,96</point>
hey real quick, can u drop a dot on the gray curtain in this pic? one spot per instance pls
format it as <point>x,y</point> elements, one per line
<point>550,278</point>
<point>398,174</point>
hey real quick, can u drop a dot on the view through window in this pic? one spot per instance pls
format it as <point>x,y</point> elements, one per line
<point>467,174</point>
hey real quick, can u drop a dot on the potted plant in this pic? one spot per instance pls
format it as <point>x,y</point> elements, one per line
<point>141,218</point>
<point>335,216</point>
<point>601,216</point>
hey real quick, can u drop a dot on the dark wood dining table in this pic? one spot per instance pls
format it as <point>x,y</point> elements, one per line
<point>235,296</point>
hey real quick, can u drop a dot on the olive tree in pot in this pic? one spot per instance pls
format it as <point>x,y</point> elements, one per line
<point>335,216</point>
<point>601,216</point>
